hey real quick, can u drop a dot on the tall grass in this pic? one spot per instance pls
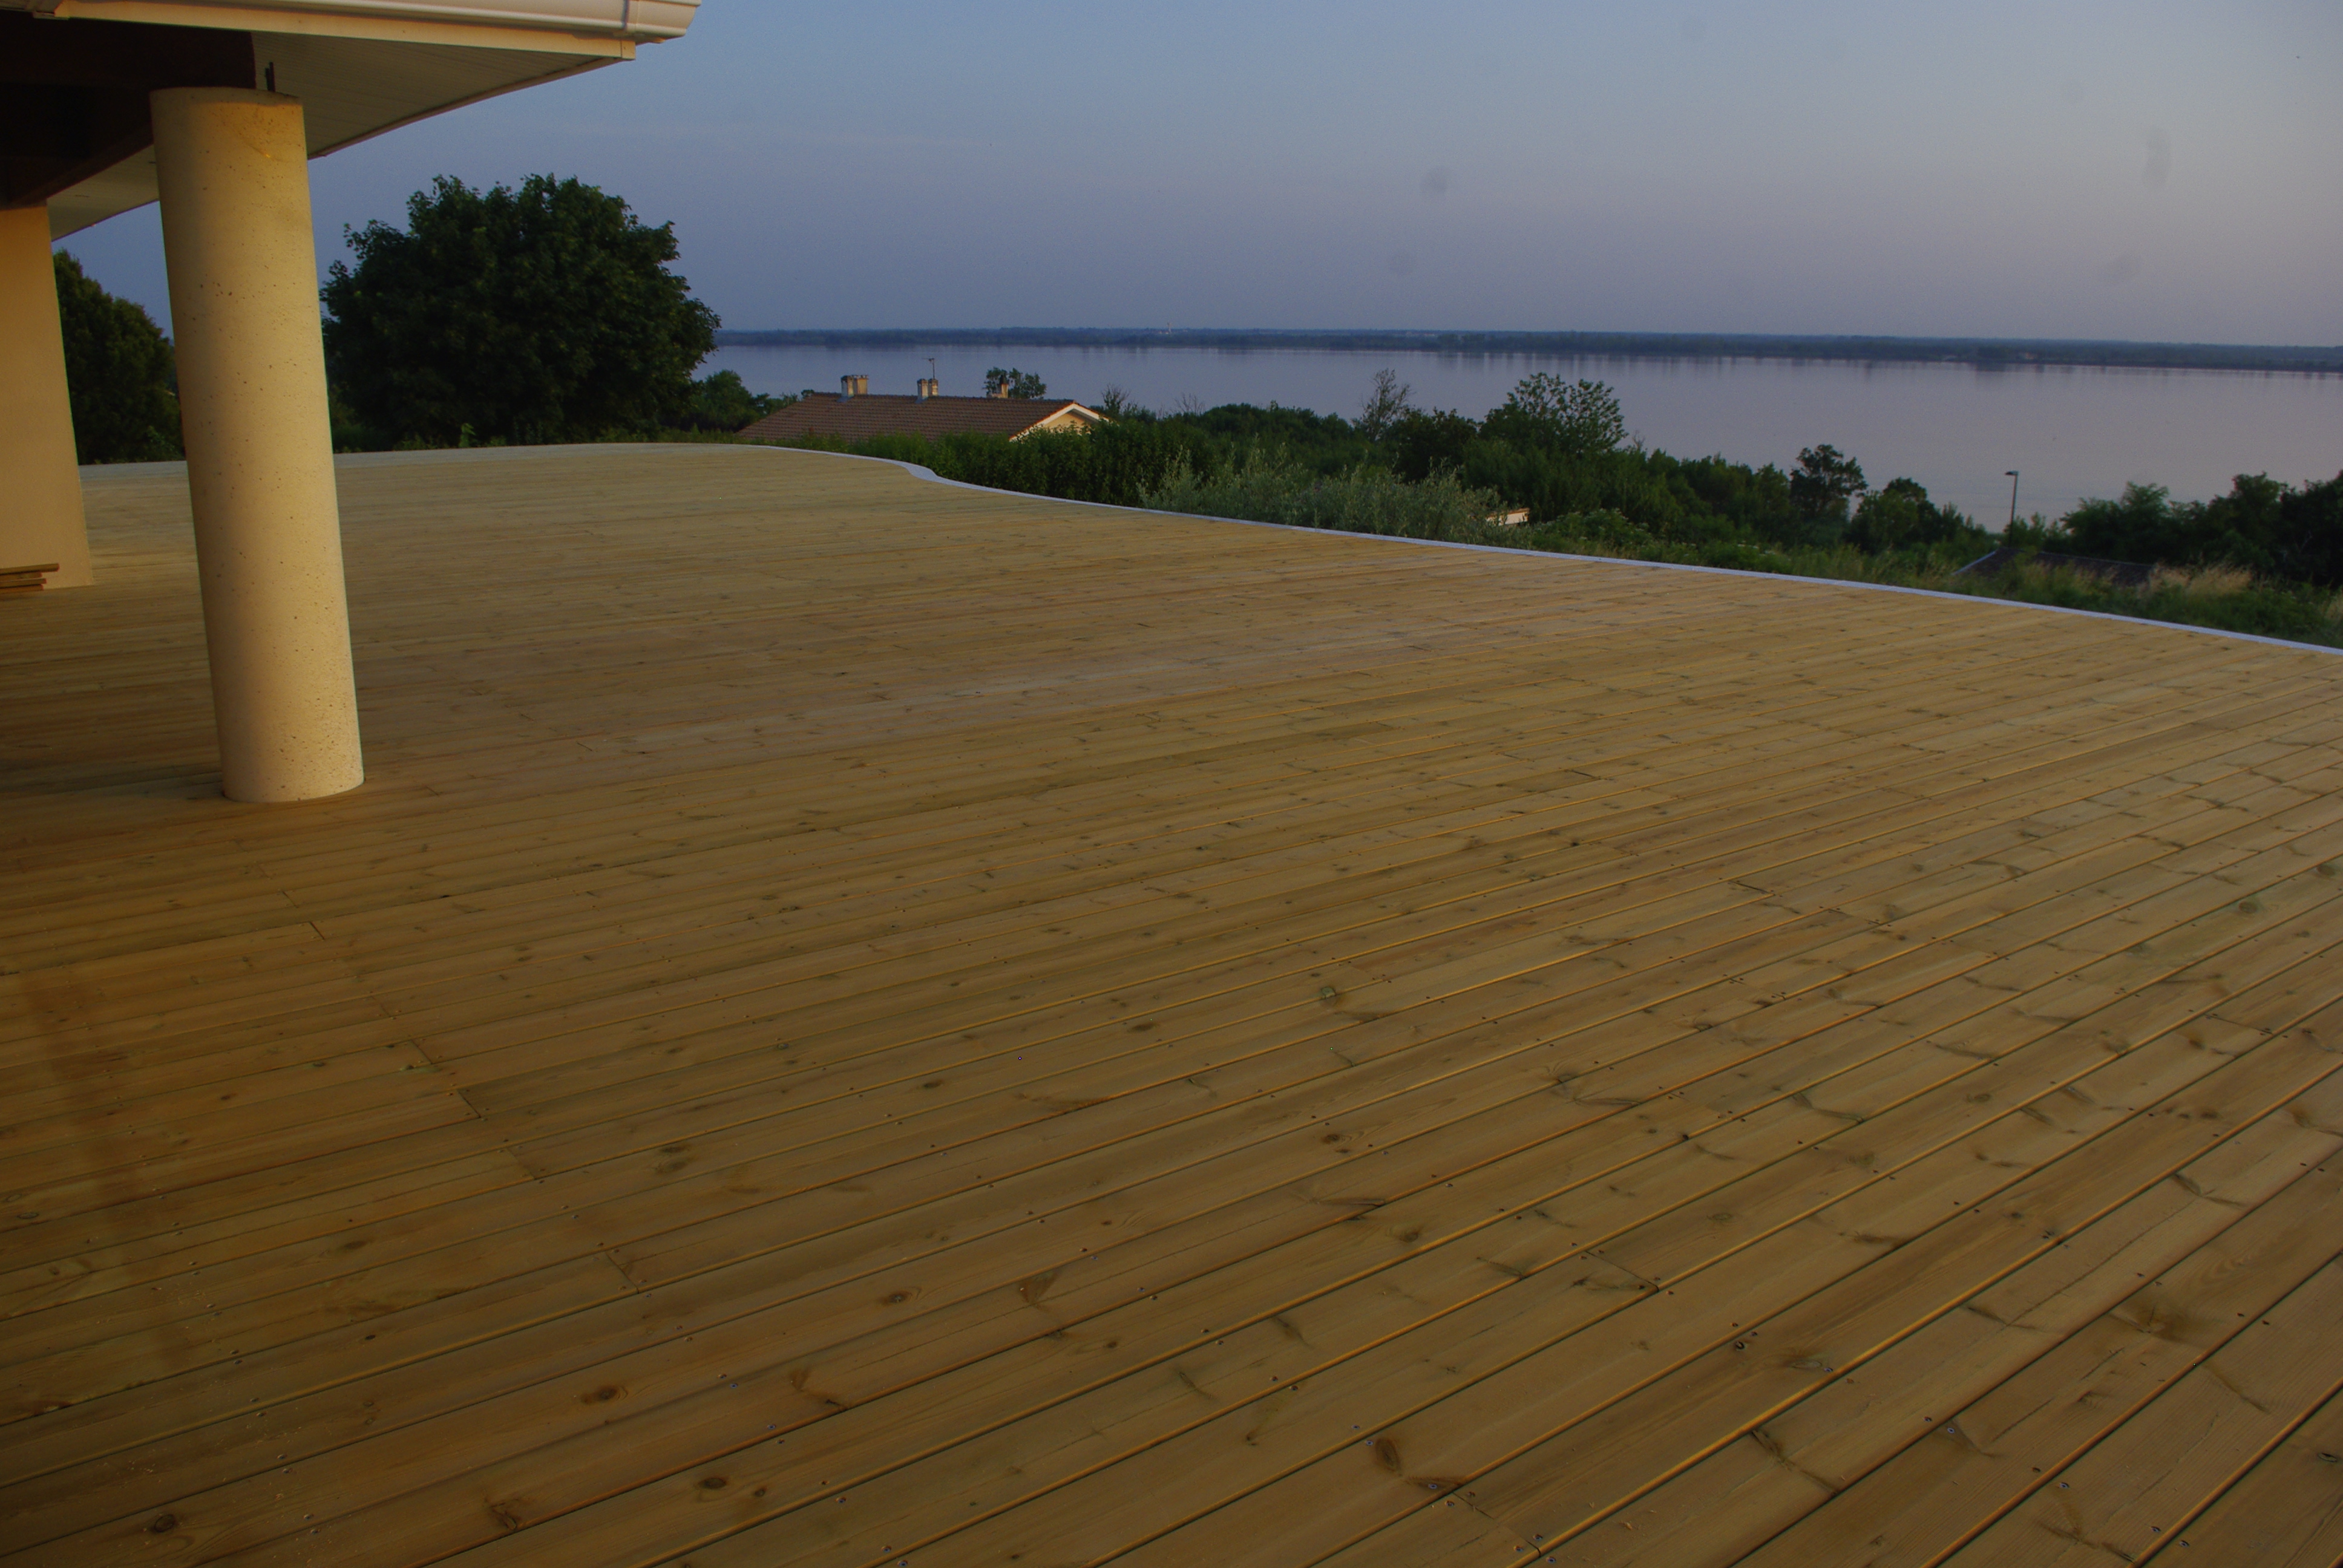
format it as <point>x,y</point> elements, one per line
<point>1271,488</point>
<point>2225,597</point>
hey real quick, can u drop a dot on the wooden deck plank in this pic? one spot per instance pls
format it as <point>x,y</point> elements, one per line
<point>1311,1505</point>
<point>1740,1503</point>
<point>2151,1475</point>
<point>2069,1376</point>
<point>1229,980</point>
<point>1577,1374</point>
<point>1315,1337</point>
<point>1561,889</point>
<point>2287,1511</point>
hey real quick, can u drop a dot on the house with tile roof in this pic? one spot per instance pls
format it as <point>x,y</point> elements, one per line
<point>853,413</point>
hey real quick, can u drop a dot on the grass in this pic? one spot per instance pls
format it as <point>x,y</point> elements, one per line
<point>1268,487</point>
<point>2228,597</point>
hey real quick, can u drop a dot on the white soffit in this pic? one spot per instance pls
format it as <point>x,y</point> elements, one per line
<point>353,88</point>
<point>361,67</point>
<point>350,89</point>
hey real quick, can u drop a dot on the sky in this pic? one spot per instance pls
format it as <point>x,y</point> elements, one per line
<point>2141,170</point>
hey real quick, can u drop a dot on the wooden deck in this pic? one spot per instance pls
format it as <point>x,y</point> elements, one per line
<point>863,1022</point>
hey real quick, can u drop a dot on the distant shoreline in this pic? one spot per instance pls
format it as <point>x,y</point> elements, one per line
<point>1982,353</point>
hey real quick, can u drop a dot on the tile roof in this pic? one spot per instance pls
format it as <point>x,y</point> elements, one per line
<point>882,414</point>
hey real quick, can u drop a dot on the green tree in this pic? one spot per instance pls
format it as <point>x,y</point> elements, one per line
<point>1424,444</point>
<point>119,373</point>
<point>1013,383</point>
<point>1899,516</point>
<point>2298,530</point>
<point>723,402</point>
<point>2262,524</point>
<point>1576,419</point>
<point>1825,482</point>
<point>1389,399</point>
<point>2144,525</point>
<point>542,314</point>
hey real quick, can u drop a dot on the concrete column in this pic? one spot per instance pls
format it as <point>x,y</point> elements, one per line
<point>234,170</point>
<point>40,488</point>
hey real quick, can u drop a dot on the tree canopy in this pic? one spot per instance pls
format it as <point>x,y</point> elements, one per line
<point>723,402</point>
<point>1899,516</point>
<point>2263,525</point>
<point>1574,419</point>
<point>1389,400</point>
<point>119,373</point>
<point>544,313</point>
<point>1825,485</point>
<point>1013,383</point>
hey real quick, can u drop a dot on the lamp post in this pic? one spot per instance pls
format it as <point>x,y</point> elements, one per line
<point>2013,495</point>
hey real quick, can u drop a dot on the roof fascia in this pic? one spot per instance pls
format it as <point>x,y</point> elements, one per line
<point>607,29</point>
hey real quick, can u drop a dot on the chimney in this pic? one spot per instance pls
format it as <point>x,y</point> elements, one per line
<point>853,387</point>
<point>929,388</point>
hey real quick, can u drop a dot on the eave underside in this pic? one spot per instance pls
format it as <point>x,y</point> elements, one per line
<point>74,128</point>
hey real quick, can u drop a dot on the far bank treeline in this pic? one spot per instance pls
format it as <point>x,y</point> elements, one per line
<point>1984,353</point>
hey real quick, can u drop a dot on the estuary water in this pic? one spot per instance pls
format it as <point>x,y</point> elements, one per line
<point>2070,432</point>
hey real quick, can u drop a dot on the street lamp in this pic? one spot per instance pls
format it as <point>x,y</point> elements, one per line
<point>2013,495</point>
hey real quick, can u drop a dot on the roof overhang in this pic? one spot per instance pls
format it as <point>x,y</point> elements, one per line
<point>360,67</point>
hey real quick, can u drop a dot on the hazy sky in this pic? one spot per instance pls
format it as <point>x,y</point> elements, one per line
<point>2137,170</point>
